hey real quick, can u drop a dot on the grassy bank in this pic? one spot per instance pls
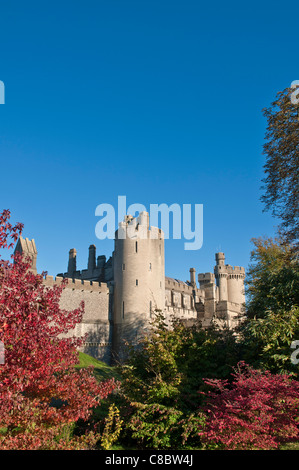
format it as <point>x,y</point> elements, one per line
<point>101,370</point>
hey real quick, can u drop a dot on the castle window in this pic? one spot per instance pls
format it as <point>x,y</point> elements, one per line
<point>136,282</point>
<point>150,266</point>
<point>124,267</point>
<point>136,247</point>
<point>123,309</point>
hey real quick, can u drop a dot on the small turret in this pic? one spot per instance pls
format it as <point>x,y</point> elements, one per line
<point>193,277</point>
<point>72,265</point>
<point>92,258</point>
<point>220,259</point>
<point>28,249</point>
<point>221,276</point>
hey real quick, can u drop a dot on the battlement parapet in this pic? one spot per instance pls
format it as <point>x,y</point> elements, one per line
<point>206,278</point>
<point>138,228</point>
<point>231,271</point>
<point>235,269</point>
<point>79,284</point>
<point>175,284</point>
<point>156,233</point>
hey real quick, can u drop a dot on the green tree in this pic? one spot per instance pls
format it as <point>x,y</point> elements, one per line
<point>267,341</point>
<point>272,281</point>
<point>281,182</point>
<point>162,379</point>
<point>273,306</point>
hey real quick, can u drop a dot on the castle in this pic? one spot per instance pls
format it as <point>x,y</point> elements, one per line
<point>122,293</point>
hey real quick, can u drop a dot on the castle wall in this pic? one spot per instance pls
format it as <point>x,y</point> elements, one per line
<point>95,322</point>
<point>180,299</point>
<point>228,314</point>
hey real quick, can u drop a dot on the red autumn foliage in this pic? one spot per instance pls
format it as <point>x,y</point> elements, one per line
<point>39,362</point>
<point>258,410</point>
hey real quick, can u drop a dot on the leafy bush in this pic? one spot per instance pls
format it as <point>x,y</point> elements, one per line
<point>272,306</point>
<point>161,380</point>
<point>259,410</point>
<point>112,429</point>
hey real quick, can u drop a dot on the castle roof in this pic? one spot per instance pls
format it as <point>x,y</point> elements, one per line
<point>176,280</point>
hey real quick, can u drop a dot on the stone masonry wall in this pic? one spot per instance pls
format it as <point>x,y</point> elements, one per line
<point>96,316</point>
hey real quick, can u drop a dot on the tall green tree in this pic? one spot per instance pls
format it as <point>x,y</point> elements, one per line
<point>281,182</point>
<point>273,306</point>
<point>272,281</point>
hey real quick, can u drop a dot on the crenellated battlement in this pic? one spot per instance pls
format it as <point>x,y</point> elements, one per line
<point>235,269</point>
<point>177,285</point>
<point>78,284</point>
<point>229,271</point>
<point>206,278</point>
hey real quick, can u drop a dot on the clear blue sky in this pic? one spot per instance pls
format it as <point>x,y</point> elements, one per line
<point>157,100</point>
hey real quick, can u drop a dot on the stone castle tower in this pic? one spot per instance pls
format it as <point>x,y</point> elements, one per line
<point>139,278</point>
<point>230,281</point>
<point>122,293</point>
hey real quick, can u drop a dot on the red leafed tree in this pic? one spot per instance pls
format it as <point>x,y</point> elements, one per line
<point>258,410</point>
<point>38,368</point>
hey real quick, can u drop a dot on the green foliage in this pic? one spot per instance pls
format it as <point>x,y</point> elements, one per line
<point>272,281</point>
<point>151,373</point>
<point>156,426</point>
<point>267,341</point>
<point>282,162</point>
<point>112,429</point>
<point>162,379</point>
<point>273,306</point>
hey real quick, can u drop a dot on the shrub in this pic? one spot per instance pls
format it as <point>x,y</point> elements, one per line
<point>258,410</point>
<point>112,429</point>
